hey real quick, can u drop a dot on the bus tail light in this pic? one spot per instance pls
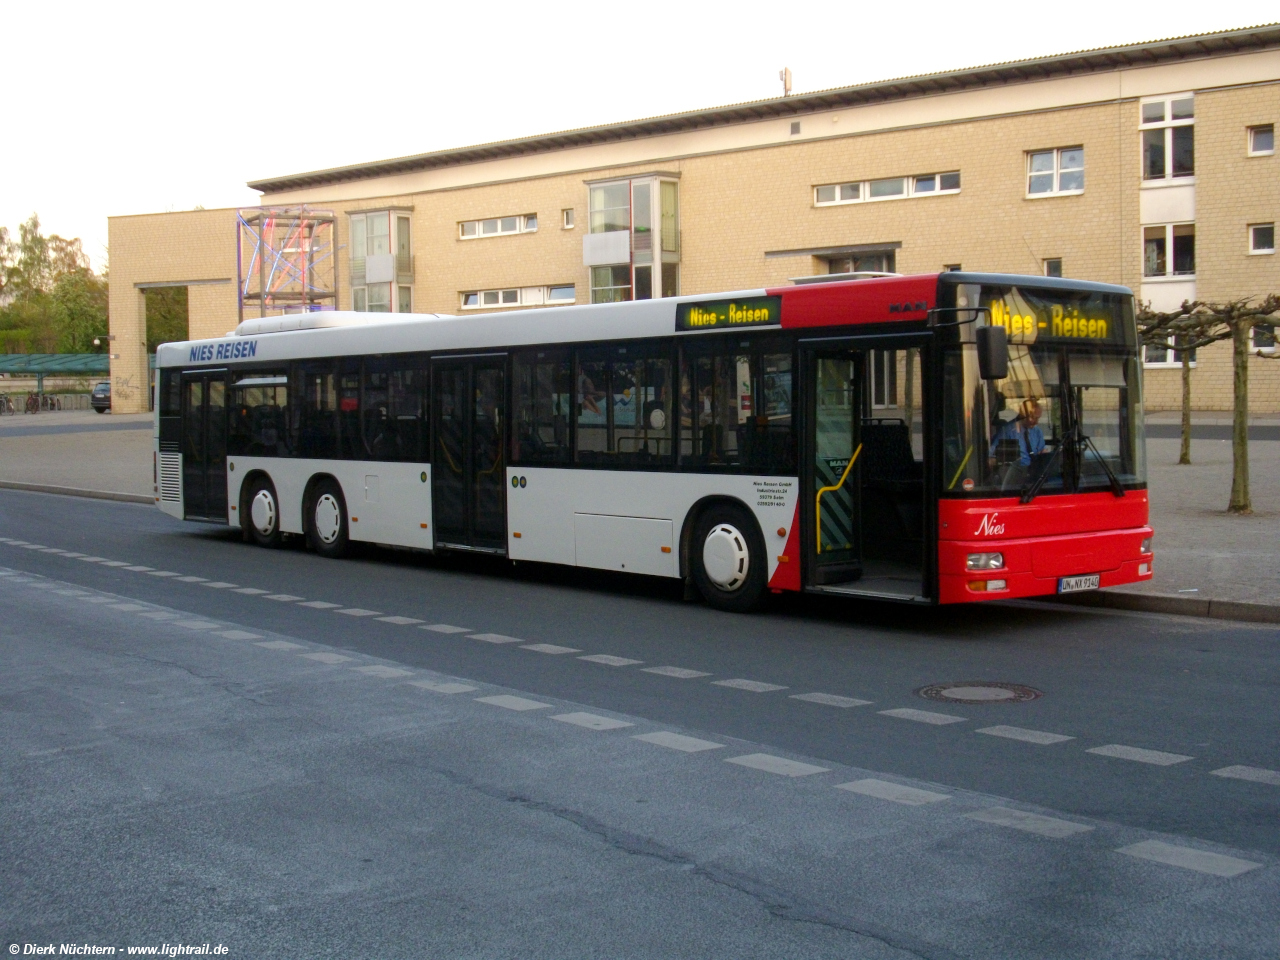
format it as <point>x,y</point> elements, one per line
<point>1146,545</point>
<point>984,561</point>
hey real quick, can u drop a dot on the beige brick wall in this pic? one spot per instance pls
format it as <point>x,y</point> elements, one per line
<point>736,206</point>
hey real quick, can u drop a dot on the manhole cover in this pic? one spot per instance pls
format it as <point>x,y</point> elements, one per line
<point>979,691</point>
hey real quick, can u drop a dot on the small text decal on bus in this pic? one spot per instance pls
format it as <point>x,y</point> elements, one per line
<point>751,312</point>
<point>235,350</point>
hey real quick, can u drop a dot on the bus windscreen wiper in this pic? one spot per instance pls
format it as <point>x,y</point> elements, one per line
<point>1079,441</point>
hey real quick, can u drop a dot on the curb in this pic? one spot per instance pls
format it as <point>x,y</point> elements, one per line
<point>77,492</point>
<point>1182,606</point>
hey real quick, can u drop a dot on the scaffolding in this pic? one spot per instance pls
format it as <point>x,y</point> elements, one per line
<point>286,260</point>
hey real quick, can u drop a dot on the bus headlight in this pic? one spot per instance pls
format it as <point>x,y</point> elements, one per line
<point>984,561</point>
<point>1146,545</point>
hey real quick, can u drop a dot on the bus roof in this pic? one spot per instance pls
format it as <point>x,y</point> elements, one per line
<point>874,300</point>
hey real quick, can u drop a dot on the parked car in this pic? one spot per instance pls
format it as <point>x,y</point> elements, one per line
<point>100,399</point>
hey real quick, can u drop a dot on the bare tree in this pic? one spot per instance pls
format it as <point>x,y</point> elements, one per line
<point>1184,331</point>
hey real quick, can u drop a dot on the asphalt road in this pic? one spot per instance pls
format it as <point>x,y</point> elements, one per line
<point>168,778</point>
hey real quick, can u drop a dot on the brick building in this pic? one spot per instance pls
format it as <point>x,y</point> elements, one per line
<point>1151,165</point>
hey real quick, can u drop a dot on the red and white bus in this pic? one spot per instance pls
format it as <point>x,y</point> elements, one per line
<point>943,438</point>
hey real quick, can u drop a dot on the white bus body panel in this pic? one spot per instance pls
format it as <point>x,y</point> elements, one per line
<point>621,520</point>
<point>386,502</point>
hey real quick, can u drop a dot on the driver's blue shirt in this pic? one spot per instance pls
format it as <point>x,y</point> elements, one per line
<point>1030,440</point>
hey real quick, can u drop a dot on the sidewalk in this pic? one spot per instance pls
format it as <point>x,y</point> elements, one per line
<point>1207,562</point>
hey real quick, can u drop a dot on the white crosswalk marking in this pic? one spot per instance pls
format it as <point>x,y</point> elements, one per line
<point>251,591</point>
<point>508,702</point>
<point>398,621</point>
<point>1252,774</point>
<point>548,648</point>
<point>885,790</point>
<point>444,628</point>
<point>320,605</point>
<point>494,638</point>
<point>1202,861</point>
<point>326,657</point>
<point>279,645</point>
<point>678,672</point>
<point>383,672</point>
<point>610,661</point>
<point>443,687</point>
<point>357,612</point>
<point>1027,736</point>
<point>755,686</point>
<point>1028,822</point>
<point>678,741</point>
<point>591,721</point>
<point>922,716</point>
<point>1155,757</point>
<point>239,635</point>
<point>282,597</point>
<point>831,700</point>
<point>779,765</point>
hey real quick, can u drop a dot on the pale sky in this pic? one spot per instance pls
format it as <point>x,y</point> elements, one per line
<point>136,107</point>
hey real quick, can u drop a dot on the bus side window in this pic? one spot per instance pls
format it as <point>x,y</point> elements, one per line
<point>349,411</point>
<point>259,415</point>
<point>735,411</point>
<point>316,410</point>
<point>541,396</point>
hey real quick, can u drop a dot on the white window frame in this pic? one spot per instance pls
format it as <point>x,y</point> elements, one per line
<point>523,297</point>
<point>1256,251</point>
<point>566,218</point>
<point>1057,172</point>
<point>1168,274</point>
<point>1251,135</point>
<point>1170,362</point>
<point>360,292</point>
<point>910,188</point>
<point>1044,266</point>
<point>1265,351</point>
<point>524,223</point>
<point>1167,124</point>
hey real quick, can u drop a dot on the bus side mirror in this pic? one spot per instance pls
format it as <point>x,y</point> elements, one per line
<point>993,353</point>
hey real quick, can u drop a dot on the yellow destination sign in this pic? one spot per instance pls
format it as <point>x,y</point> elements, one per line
<point>752,311</point>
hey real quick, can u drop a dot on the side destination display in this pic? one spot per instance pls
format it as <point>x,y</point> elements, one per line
<point>748,312</point>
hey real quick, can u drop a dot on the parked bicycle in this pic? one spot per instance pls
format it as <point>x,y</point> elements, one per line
<point>6,405</point>
<point>33,403</point>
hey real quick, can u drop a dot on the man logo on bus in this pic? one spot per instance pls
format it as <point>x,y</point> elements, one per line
<point>988,527</point>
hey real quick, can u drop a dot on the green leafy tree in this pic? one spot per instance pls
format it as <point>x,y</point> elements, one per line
<point>166,316</point>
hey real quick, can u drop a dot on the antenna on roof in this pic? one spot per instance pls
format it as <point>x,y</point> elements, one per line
<point>785,76</point>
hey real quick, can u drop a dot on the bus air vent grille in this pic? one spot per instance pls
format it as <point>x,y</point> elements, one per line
<point>171,477</point>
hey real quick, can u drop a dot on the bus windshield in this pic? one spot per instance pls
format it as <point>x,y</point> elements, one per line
<point>1068,416</point>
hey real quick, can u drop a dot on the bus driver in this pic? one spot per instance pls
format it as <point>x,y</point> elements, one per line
<point>1024,431</point>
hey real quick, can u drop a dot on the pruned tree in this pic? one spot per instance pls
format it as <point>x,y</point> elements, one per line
<point>1184,331</point>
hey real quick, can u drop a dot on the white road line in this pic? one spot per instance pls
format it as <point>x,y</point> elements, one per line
<point>549,648</point>
<point>57,550</point>
<point>162,573</point>
<point>513,703</point>
<point>115,563</point>
<point>196,624</point>
<point>1156,757</point>
<point>33,546</point>
<point>1028,822</point>
<point>1201,861</point>
<point>830,700</point>
<point>92,599</point>
<point>20,580</point>
<point>17,543</point>
<point>677,741</point>
<point>1252,774</point>
<point>279,645</point>
<point>494,638</point>
<point>358,612</point>
<point>250,591</point>
<point>239,635</point>
<point>386,673</point>
<point>610,661</point>
<point>73,556</point>
<point>320,605</point>
<point>94,560</point>
<point>282,597</point>
<point>326,657</point>
<point>779,765</point>
<point>65,593</point>
<point>398,621</point>
<point>922,716</point>
<point>678,672</point>
<point>443,687</point>
<point>192,580</point>
<point>1027,736</point>
<point>42,585</point>
<point>217,585</point>
<point>895,792</point>
<point>755,686</point>
<point>128,607</point>
<point>160,615</point>
<point>445,628</point>
<point>591,721</point>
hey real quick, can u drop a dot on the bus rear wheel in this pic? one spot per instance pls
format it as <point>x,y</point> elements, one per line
<point>327,520</point>
<point>728,559</point>
<point>262,513</point>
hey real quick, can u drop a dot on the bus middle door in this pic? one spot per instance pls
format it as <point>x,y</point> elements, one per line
<point>830,511</point>
<point>204,445</point>
<point>469,463</point>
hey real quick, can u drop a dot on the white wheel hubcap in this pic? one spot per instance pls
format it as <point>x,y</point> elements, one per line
<point>725,557</point>
<point>263,513</point>
<point>328,518</point>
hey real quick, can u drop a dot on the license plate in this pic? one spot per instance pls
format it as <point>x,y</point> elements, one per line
<point>1075,584</point>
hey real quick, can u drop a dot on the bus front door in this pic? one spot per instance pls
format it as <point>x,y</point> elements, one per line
<point>831,517</point>
<point>204,445</point>
<point>469,465</point>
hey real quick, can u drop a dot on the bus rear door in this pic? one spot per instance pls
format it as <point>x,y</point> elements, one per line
<point>204,445</point>
<point>469,465</point>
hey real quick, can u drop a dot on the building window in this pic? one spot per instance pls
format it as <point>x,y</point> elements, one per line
<point>497,226</point>
<point>381,262</point>
<point>892,188</point>
<point>952,268</point>
<point>1169,250</point>
<point>610,284</point>
<point>875,262</point>
<point>1262,238</point>
<point>1166,354</point>
<point>1053,267</point>
<point>560,293</point>
<point>645,263</point>
<point>1168,138</point>
<point>566,218</point>
<point>1055,172</point>
<point>1262,140</point>
<point>1264,338</point>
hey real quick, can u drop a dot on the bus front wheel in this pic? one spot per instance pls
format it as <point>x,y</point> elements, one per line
<point>327,526</point>
<point>263,513</point>
<point>729,565</point>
